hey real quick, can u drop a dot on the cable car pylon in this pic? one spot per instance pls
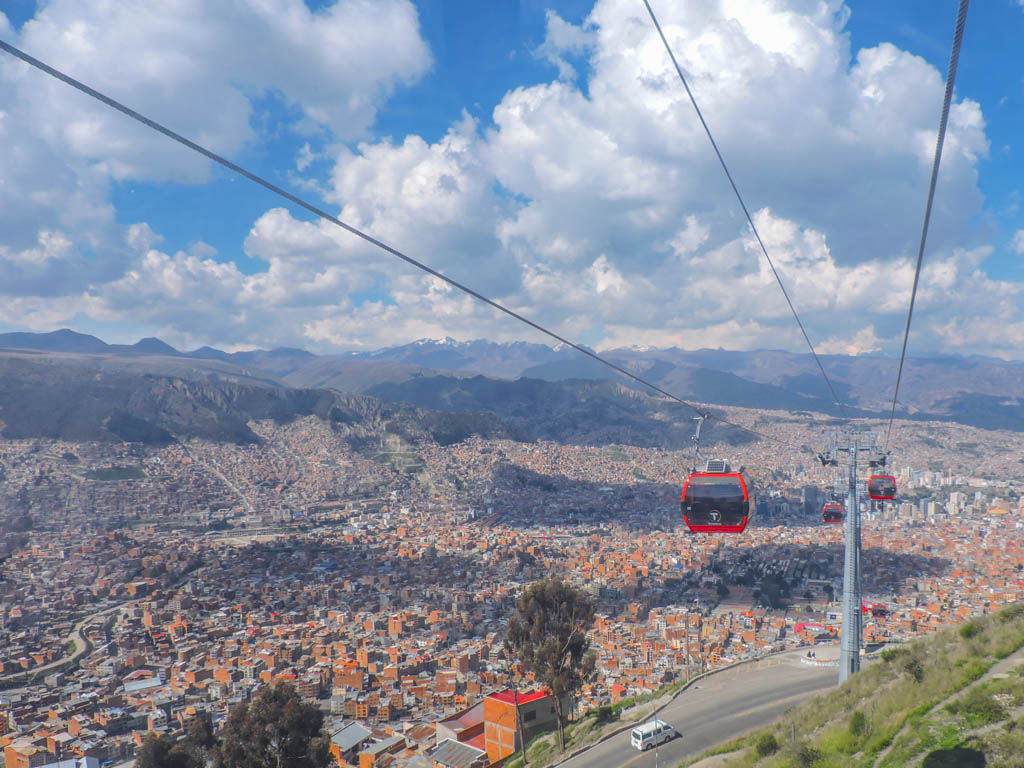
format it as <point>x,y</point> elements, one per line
<point>856,442</point>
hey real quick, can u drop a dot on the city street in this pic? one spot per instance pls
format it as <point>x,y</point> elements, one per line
<point>716,709</point>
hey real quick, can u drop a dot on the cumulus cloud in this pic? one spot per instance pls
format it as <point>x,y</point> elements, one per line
<point>435,201</point>
<point>1017,243</point>
<point>597,208</point>
<point>196,66</point>
<point>863,342</point>
<point>563,39</point>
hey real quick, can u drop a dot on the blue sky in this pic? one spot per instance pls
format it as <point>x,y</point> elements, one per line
<point>989,72</point>
<point>581,190</point>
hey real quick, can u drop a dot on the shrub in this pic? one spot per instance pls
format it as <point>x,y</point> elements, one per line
<point>969,630</point>
<point>973,670</point>
<point>891,654</point>
<point>915,669</point>
<point>766,744</point>
<point>1011,612</point>
<point>806,756</point>
<point>858,723</point>
<point>605,714</point>
<point>979,708</point>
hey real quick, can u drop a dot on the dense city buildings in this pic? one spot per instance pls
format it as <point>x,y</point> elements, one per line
<point>144,587</point>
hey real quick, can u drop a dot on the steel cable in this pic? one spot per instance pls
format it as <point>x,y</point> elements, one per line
<point>954,59</point>
<point>359,233</point>
<point>743,205</point>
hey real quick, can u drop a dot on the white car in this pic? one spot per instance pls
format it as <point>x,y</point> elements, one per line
<point>651,733</point>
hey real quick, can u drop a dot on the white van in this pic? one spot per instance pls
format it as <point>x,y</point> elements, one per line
<point>651,733</point>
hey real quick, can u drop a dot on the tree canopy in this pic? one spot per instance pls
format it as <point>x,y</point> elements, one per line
<point>275,730</point>
<point>158,751</point>
<point>548,634</point>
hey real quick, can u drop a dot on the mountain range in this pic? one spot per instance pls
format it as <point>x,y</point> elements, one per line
<point>555,393</point>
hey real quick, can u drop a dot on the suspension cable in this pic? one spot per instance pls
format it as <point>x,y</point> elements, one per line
<point>110,102</point>
<point>954,59</point>
<point>743,205</point>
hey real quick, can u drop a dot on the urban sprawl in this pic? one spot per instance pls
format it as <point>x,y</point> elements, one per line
<point>145,586</point>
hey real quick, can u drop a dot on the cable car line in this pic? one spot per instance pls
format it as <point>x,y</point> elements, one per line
<point>954,58</point>
<point>717,500</point>
<point>832,513</point>
<point>110,102</point>
<point>743,205</point>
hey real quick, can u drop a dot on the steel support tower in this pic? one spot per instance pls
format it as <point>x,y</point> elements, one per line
<point>853,621</point>
<point>849,643</point>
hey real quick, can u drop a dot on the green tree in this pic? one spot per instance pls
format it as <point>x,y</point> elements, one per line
<point>766,744</point>
<point>548,633</point>
<point>158,751</point>
<point>722,590</point>
<point>969,630</point>
<point>275,730</point>
<point>805,756</point>
<point>771,591</point>
<point>199,734</point>
<point>915,669</point>
<point>858,723</point>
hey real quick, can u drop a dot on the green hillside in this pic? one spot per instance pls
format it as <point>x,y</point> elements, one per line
<point>953,699</point>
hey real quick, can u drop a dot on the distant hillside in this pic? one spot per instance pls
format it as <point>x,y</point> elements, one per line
<point>977,391</point>
<point>66,340</point>
<point>929,384</point>
<point>939,388</point>
<point>179,366</point>
<point>580,412</point>
<point>489,358</point>
<point>68,399</point>
<point>951,700</point>
<point>359,375</point>
<point>279,361</point>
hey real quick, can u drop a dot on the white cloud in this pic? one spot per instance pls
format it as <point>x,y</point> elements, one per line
<point>1017,243</point>
<point>141,237</point>
<point>435,201</point>
<point>196,66</point>
<point>563,38</point>
<point>199,68</point>
<point>598,209</point>
<point>690,237</point>
<point>863,342</point>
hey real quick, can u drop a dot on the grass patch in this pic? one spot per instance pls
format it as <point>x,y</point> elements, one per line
<point>733,745</point>
<point>1002,748</point>
<point>115,473</point>
<point>891,704</point>
<point>543,748</point>
<point>578,734</point>
<point>615,452</point>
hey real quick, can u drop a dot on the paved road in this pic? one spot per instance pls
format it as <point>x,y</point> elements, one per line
<point>80,644</point>
<point>716,709</point>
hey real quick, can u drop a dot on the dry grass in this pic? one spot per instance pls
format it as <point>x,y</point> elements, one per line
<point>897,697</point>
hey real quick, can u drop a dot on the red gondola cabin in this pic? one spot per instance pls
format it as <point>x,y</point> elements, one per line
<point>717,500</point>
<point>832,513</point>
<point>882,487</point>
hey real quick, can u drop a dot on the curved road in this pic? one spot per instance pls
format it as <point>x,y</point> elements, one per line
<point>80,644</point>
<point>716,709</point>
